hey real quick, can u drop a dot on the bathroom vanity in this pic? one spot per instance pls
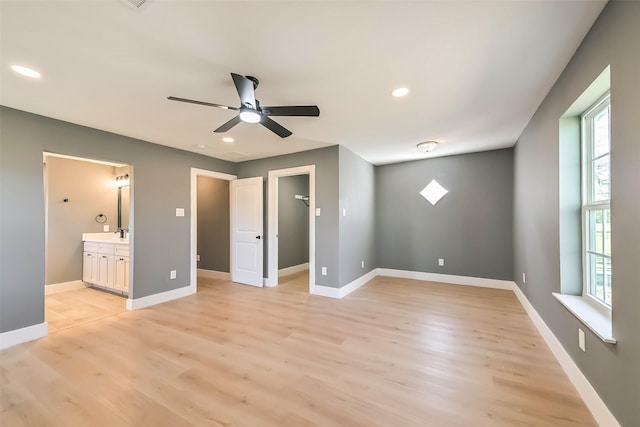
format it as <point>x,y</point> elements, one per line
<point>106,262</point>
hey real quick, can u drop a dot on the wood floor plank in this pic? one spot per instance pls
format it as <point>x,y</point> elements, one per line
<point>396,352</point>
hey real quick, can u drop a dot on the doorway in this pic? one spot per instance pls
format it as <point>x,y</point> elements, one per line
<point>210,268</point>
<point>273,220</point>
<point>85,208</point>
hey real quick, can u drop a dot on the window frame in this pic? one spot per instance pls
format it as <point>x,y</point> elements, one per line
<point>587,144</point>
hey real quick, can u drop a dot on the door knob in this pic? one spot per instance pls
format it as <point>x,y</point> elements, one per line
<point>258,237</point>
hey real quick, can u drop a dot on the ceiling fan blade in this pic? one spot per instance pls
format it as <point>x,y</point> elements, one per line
<point>231,123</point>
<point>245,89</point>
<point>208,104</point>
<point>298,110</point>
<point>273,126</point>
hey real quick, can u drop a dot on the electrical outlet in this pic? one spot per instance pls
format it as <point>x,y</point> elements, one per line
<point>362,264</point>
<point>324,271</point>
<point>198,258</point>
<point>581,342</point>
<point>172,274</point>
<point>441,262</point>
<point>524,278</point>
<point>105,228</point>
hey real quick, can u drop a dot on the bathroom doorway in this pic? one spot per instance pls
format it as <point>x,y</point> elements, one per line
<point>88,266</point>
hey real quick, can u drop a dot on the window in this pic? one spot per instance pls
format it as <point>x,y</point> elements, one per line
<point>596,197</point>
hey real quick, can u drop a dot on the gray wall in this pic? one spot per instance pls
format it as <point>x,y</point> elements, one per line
<point>293,221</point>
<point>470,227</point>
<point>357,228</point>
<point>90,189</point>
<point>161,183</point>
<point>213,224</point>
<point>613,370</point>
<point>326,161</point>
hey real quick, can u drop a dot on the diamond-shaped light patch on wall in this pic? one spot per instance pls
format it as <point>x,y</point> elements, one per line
<point>433,192</point>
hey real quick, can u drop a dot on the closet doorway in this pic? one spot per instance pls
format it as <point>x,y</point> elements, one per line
<point>292,210</point>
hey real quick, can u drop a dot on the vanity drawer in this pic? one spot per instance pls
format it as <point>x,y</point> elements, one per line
<point>90,247</point>
<point>106,248</point>
<point>122,250</point>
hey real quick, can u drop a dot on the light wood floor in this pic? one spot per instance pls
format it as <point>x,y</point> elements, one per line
<point>393,353</point>
<point>77,307</point>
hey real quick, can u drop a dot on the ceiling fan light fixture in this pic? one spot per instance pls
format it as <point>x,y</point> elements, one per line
<point>249,116</point>
<point>427,146</point>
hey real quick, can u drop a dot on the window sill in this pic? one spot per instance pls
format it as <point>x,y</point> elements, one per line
<point>594,319</point>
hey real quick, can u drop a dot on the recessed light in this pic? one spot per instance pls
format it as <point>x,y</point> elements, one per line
<point>201,146</point>
<point>227,139</point>
<point>26,71</point>
<point>427,146</point>
<point>401,91</point>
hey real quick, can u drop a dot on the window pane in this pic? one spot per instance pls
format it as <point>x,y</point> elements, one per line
<point>595,231</point>
<point>597,276</point>
<point>606,223</point>
<point>601,133</point>
<point>600,179</point>
<point>607,281</point>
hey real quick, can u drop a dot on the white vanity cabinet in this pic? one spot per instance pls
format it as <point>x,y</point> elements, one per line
<point>121,279</point>
<point>90,263</point>
<point>106,265</point>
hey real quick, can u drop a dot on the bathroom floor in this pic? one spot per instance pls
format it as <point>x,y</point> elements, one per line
<point>80,306</point>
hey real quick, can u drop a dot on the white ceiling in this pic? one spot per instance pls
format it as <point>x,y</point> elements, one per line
<point>477,70</point>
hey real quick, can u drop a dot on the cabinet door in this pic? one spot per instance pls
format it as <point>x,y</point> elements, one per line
<point>90,267</point>
<point>105,270</point>
<point>122,274</point>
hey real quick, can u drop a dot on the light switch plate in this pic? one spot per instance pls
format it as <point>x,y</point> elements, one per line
<point>172,274</point>
<point>581,342</point>
<point>317,211</point>
<point>179,211</point>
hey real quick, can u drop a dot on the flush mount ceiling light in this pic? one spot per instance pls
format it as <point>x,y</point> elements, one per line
<point>249,116</point>
<point>401,91</point>
<point>433,192</point>
<point>201,146</point>
<point>427,146</point>
<point>227,139</point>
<point>26,71</point>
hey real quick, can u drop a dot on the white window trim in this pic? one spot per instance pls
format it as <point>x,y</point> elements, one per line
<point>588,204</point>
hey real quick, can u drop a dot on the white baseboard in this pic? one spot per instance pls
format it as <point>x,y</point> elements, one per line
<point>138,303</point>
<point>598,409</point>
<point>22,335</point>
<point>212,274</point>
<point>56,288</point>
<point>325,291</point>
<point>447,278</point>
<point>293,269</point>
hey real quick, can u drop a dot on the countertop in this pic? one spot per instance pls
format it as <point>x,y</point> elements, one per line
<point>104,238</point>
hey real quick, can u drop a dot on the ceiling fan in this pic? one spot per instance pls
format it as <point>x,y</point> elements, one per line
<point>250,110</point>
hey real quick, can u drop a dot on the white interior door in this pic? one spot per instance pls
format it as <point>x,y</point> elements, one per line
<point>246,231</point>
